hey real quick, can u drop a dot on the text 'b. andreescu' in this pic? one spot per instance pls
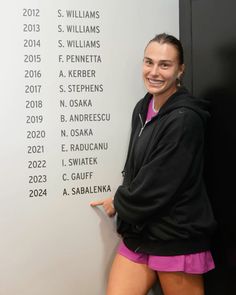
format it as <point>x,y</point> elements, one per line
<point>91,117</point>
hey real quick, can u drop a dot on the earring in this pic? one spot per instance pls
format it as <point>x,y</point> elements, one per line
<point>178,80</point>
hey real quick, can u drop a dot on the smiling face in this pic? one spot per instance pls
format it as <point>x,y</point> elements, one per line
<point>161,69</point>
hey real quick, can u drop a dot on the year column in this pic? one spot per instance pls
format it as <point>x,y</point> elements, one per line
<point>34,103</point>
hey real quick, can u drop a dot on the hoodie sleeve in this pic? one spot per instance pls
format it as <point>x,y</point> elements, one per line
<point>171,165</point>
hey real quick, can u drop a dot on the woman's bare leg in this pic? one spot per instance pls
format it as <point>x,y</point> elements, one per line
<point>176,283</point>
<point>127,277</point>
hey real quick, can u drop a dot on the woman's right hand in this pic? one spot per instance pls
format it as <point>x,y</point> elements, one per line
<point>107,205</point>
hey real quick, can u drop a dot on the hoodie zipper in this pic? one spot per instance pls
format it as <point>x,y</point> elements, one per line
<point>143,125</point>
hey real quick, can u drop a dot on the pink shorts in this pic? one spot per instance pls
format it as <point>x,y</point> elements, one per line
<point>197,263</point>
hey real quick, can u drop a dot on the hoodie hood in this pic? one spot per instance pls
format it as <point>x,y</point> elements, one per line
<point>180,99</point>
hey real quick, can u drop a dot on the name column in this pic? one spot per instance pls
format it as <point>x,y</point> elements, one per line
<point>83,118</point>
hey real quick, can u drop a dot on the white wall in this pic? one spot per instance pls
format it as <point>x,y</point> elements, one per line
<point>55,243</point>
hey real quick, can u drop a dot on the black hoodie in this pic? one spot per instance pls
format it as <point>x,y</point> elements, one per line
<point>162,205</point>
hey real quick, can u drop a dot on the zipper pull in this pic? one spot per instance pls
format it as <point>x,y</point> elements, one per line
<point>141,131</point>
<point>143,125</point>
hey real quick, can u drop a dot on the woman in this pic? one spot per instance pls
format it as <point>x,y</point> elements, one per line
<point>163,212</point>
